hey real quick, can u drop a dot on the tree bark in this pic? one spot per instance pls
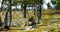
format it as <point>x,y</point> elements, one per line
<point>8,16</point>
<point>10,12</point>
<point>34,10</point>
<point>24,7</point>
<point>39,9</point>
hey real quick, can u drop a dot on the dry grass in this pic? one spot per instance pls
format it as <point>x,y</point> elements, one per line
<point>17,17</point>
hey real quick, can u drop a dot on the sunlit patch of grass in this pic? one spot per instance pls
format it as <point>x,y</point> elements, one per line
<point>55,16</point>
<point>49,11</point>
<point>46,16</point>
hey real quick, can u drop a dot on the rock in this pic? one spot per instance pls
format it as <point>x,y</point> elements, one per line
<point>20,22</point>
<point>14,24</point>
<point>29,28</point>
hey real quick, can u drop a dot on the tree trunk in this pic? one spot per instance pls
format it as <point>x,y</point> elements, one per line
<point>8,17</point>
<point>6,21</point>
<point>24,7</point>
<point>2,5</point>
<point>34,10</point>
<point>39,10</point>
<point>10,13</point>
<point>0,24</point>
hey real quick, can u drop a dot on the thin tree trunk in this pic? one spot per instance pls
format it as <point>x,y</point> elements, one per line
<point>10,13</point>
<point>24,10</point>
<point>6,18</point>
<point>34,10</point>
<point>39,10</point>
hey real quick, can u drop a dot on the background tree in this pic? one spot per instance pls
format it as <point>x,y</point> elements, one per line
<point>24,4</point>
<point>39,10</point>
<point>57,4</point>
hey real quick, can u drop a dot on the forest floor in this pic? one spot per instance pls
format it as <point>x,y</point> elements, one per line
<point>50,21</point>
<point>39,28</point>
